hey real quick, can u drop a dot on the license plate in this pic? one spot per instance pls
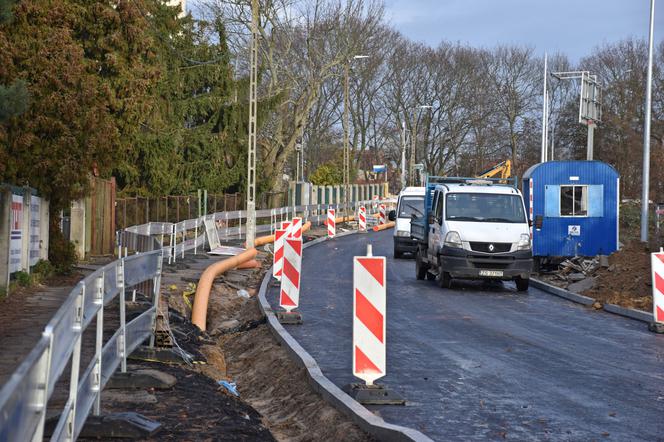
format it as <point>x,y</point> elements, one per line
<point>493,273</point>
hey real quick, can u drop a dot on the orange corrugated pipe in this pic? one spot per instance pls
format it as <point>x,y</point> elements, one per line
<point>199,310</point>
<point>341,219</point>
<point>262,240</point>
<point>387,225</point>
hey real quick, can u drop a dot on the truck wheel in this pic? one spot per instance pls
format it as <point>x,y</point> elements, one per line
<point>443,278</point>
<point>522,284</point>
<point>420,267</point>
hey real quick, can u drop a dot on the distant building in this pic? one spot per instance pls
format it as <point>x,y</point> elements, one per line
<point>181,3</point>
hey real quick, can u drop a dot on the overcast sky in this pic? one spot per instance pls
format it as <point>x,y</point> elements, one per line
<point>574,27</point>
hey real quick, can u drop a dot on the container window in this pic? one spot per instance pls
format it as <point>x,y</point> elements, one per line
<point>573,200</point>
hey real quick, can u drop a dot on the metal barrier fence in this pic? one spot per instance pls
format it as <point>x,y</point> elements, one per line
<point>25,397</point>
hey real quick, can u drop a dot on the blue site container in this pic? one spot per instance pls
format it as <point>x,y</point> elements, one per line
<point>574,208</point>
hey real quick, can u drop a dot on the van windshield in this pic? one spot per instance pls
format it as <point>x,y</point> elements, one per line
<point>409,205</point>
<point>484,207</point>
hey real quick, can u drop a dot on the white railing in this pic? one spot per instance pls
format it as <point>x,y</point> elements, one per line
<point>24,398</point>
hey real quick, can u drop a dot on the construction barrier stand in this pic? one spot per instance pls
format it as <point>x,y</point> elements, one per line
<point>658,287</point>
<point>295,229</point>
<point>331,223</point>
<point>383,219</point>
<point>362,219</point>
<point>289,297</point>
<point>278,257</point>
<point>369,303</point>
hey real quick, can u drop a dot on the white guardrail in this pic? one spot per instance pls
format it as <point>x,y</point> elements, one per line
<point>25,397</point>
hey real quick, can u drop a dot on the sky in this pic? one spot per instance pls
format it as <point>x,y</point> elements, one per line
<point>573,27</point>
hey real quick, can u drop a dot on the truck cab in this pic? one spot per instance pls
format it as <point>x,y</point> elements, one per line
<point>409,204</point>
<point>474,229</point>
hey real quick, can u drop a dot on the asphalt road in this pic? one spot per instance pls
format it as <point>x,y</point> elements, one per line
<point>481,361</point>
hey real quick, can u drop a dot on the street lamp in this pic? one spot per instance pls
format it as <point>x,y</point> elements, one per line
<point>411,166</point>
<point>646,131</point>
<point>346,124</point>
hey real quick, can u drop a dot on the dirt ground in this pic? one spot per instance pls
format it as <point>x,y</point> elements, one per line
<point>239,347</point>
<point>627,281</point>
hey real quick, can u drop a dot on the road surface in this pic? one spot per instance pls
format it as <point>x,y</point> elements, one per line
<point>481,361</point>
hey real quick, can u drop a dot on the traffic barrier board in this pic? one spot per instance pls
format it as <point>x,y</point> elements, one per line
<point>278,257</point>
<point>369,302</point>
<point>362,219</point>
<point>382,218</point>
<point>331,223</point>
<point>290,276</point>
<point>657,260</point>
<point>295,229</point>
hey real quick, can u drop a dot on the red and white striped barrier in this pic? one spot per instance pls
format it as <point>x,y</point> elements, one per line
<point>362,219</point>
<point>278,257</point>
<point>290,276</point>
<point>295,229</point>
<point>657,260</point>
<point>331,223</point>
<point>369,302</point>
<point>530,206</point>
<point>382,218</point>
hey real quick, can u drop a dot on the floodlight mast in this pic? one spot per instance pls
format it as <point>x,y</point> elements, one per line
<point>589,106</point>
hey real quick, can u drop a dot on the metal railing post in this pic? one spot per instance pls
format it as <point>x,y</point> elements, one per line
<point>96,376</point>
<point>75,364</point>
<point>156,289</point>
<point>122,338</point>
<point>40,398</point>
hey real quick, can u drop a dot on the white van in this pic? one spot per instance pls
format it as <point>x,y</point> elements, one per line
<point>473,230</point>
<point>411,202</point>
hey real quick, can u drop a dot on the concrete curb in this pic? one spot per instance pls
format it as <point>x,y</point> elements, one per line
<point>585,300</point>
<point>366,420</point>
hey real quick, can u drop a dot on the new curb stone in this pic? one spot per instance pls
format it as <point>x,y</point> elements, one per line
<point>366,420</point>
<point>585,300</point>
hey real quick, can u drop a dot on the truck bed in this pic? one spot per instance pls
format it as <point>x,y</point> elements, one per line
<point>419,229</point>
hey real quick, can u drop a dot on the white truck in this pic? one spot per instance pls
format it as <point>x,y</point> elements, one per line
<point>410,202</point>
<point>472,229</point>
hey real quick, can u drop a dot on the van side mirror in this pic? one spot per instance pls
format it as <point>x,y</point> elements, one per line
<point>392,215</point>
<point>539,220</point>
<point>430,220</point>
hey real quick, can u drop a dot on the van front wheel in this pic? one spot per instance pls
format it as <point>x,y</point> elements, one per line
<point>522,284</point>
<point>443,278</point>
<point>420,267</point>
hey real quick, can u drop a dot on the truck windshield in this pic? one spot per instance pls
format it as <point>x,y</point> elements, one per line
<point>409,205</point>
<point>484,207</point>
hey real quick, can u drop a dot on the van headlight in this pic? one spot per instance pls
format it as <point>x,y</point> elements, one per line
<point>524,242</point>
<point>452,239</point>
<point>403,233</point>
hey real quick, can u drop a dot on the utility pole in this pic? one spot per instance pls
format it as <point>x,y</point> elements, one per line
<point>646,131</point>
<point>251,151</point>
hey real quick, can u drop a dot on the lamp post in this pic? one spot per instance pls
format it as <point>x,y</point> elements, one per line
<point>646,131</point>
<point>411,166</point>
<point>346,124</point>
